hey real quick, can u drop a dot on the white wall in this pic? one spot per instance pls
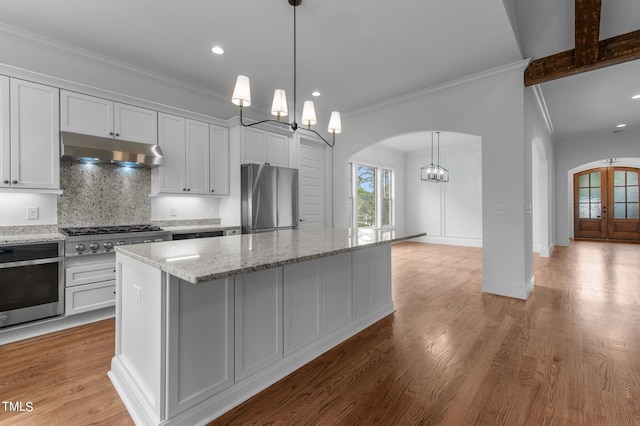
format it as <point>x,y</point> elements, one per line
<point>13,208</point>
<point>388,158</point>
<point>450,213</point>
<point>574,153</point>
<point>490,105</point>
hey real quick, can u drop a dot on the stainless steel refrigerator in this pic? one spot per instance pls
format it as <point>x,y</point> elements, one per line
<point>269,198</point>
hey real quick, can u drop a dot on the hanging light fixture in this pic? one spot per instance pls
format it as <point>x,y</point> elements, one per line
<point>242,97</point>
<point>434,172</point>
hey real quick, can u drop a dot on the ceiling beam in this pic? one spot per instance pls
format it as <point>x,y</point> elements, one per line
<point>612,51</point>
<point>587,31</point>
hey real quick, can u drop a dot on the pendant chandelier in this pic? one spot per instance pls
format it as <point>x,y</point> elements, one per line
<point>434,172</point>
<point>242,97</point>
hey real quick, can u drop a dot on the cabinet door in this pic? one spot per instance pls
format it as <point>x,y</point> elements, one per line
<point>135,124</point>
<point>254,146</point>
<point>86,114</point>
<point>197,155</point>
<point>219,160</point>
<point>277,149</point>
<point>371,279</point>
<point>200,342</point>
<point>35,135</point>
<point>89,297</point>
<point>258,308</point>
<point>171,176</point>
<point>5,135</point>
<point>336,291</point>
<point>302,305</point>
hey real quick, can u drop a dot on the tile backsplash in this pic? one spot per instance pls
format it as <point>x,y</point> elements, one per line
<point>103,194</point>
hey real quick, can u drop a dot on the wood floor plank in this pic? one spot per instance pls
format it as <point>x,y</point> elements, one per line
<point>450,355</point>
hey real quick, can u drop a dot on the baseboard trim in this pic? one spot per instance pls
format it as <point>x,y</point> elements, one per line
<point>521,291</point>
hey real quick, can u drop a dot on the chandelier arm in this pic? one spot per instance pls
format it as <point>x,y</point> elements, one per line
<point>269,120</point>
<point>333,140</point>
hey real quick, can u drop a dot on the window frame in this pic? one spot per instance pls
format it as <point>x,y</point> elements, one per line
<point>353,201</point>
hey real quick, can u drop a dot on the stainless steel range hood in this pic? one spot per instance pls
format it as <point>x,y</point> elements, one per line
<point>75,145</point>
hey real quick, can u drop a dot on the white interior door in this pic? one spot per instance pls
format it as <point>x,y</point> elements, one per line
<point>311,181</point>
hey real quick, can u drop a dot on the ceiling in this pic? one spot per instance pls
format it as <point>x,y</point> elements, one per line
<point>354,53</point>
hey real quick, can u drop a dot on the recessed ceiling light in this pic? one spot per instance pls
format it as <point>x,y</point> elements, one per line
<point>621,125</point>
<point>636,96</point>
<point>316,93</point>
<point>217,50</point>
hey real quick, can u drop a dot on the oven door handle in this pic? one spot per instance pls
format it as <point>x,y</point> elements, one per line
<point>31,262</point>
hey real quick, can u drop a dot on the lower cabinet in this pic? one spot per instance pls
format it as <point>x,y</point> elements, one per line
<point>371,279</point>
<point>201,341</point>
<point>89,287</point>
<point>258,321</point>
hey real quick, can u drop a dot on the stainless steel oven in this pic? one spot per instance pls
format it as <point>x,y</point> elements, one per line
<point>31,282</point>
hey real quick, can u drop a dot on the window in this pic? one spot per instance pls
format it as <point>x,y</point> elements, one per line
<point>371,188</point>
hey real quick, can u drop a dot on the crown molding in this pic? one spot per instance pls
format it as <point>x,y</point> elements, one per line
<point>83,55</point>
<point>542,104</point>
<point>512,68</point>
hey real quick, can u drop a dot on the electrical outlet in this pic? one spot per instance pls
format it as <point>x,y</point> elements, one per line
<point>500,209</point>
<point>33,213</point>
<point>137,293</point>
<point>173,211</point>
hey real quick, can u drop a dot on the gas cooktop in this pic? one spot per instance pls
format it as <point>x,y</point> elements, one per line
<point>120,229</point>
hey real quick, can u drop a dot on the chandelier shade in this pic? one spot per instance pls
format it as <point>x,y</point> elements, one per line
<point>434,173</point>
<point>242,92</point>
<point>242,98</point>
<point>279,106</point>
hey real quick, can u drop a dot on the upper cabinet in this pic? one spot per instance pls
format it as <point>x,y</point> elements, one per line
<point>100,117</point>
<point>196,157</point>
<point>219,160</point>
<point>264,147</point>
<point>29,139</point>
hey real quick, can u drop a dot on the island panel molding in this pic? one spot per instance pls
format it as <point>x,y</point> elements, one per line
<point>187,351</point>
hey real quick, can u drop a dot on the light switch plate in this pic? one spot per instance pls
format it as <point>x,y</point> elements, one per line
<point>173,211</point>
<point>137,294</point>
<point>33,213</point>
<point>500,209</point>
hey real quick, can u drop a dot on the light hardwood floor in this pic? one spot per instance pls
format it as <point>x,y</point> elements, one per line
<point>450,355</point>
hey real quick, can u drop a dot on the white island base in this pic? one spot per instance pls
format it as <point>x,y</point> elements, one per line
<point>186,353</point>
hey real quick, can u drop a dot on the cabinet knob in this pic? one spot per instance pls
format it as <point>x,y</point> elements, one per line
<point>213,190</point>
<point>110,133</point>
<point>188,189</point>
<point>5,181</point>
<point>118,134</point>
<point>184,189</point>
<point>14,182</point>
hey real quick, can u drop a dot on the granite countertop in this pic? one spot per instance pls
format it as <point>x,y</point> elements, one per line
<point>198,228</point>
<point>206,259</point>
<point>31,238</point>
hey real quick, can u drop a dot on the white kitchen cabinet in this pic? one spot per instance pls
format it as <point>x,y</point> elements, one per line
<point>90,115</point>
<point>185,146</point>
<point>89,297</point>
<point>200,342</point>
<point>219,160</point>
<point>263,147</point>
<point>197,155</point>
<point>371,279</point>
<point>302,305</point>
<point>336,291</point>
<point>89,287</point>
<point>5,134</point>
<point>34,148</point>
<point>258,320</point>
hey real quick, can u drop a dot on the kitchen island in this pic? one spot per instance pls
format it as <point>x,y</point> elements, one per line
<point>202,325</point>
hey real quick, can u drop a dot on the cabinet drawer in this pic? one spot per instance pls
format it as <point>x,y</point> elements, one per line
<point>89,297</point>
<point>88,274</point>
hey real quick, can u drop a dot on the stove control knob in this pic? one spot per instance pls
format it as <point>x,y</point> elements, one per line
<point>94,246</point>
<point>157,240</point>
<point>148,241</point>
<point>108,245</point>
<point>121,243</point>
<point>80,247</point>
